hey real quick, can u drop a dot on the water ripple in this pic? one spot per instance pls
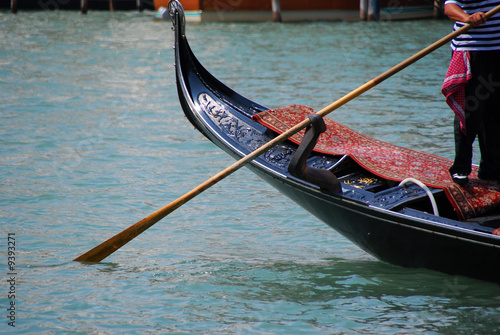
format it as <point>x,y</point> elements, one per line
<point>93,140</point>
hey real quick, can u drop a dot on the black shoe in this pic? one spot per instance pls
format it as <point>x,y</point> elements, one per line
<point>460,178</point>
<point>484,176</point>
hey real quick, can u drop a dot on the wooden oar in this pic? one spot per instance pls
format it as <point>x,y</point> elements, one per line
<point>106,248</point>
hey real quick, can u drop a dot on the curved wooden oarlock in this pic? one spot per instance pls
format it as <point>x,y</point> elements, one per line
<point>298,165</point>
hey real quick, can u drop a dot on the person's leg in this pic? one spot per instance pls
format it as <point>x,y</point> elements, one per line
<point>488,95</point>
<point>463,149</point>
<point>463,142</point>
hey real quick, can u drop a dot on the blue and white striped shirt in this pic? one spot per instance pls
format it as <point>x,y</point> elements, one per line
<point>483,38</point>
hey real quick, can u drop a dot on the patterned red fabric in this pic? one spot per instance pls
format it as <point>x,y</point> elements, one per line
<point>390,161</point>
<point>454,84</point>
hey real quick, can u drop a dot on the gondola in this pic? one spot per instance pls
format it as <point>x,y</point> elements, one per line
<point>401,214</point>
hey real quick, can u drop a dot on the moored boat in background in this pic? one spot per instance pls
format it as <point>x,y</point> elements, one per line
<point>300,10</point>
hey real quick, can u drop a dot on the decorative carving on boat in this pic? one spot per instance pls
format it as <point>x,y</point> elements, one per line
<point>245,134</point>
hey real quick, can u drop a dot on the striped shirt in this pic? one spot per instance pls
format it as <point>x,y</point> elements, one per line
<point>483,38</point>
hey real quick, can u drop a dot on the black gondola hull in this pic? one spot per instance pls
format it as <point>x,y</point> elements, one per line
<point>401,238</point>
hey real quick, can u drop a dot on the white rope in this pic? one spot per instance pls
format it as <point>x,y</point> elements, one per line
<point>426,189</point>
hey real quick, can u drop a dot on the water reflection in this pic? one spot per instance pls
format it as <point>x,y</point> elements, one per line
<point>345,295</point>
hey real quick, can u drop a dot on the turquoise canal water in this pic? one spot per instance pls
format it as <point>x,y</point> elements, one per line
<point>93,140</point>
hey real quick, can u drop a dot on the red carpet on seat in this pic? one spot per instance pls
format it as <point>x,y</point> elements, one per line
<point>390,161</point>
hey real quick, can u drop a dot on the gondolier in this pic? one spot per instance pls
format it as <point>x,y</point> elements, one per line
<point>472,88</point>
